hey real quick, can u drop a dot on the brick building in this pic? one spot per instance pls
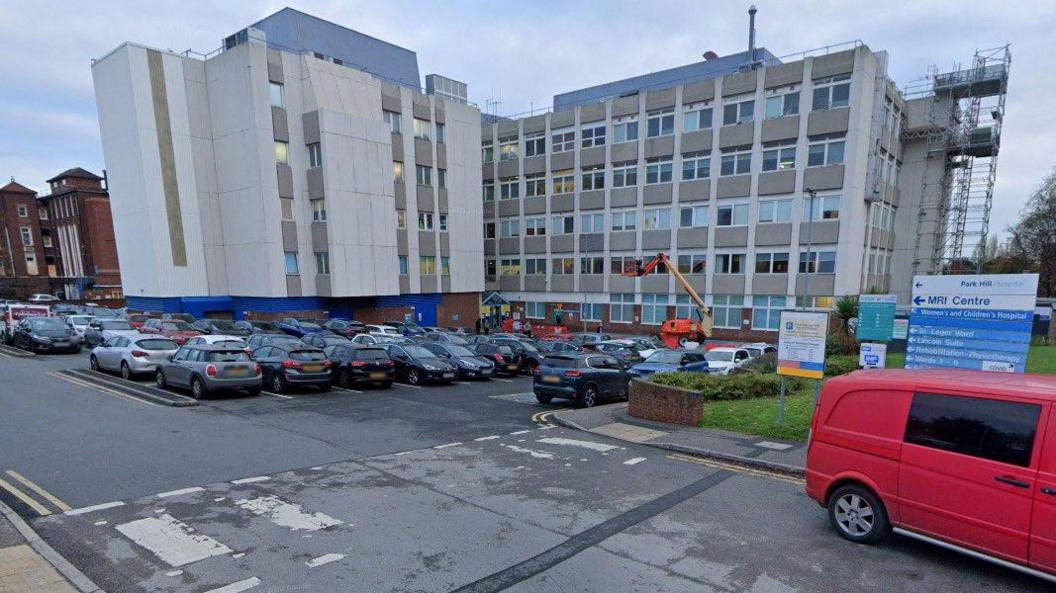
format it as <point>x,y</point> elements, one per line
<point>22,270</point>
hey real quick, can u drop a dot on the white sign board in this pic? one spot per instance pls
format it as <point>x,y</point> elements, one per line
<point>801,344</point>
<point>872,356</point>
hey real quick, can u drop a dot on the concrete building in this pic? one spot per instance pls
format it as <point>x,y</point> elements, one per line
<point>298,168</point>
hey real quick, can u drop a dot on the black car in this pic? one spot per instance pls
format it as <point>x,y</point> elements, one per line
<point>220,327</point>
<point>586,379</point>
<point>258,327</point>
<point>505,359</point>
<point>324,340</point>
<point>287,365</point>
<point>470,364</point>
<point>415,364</point>
<point>285,340</point>
<point>345,327</point>
<point>530,355</point>
<point>45,334</point>
<point>356,365</point>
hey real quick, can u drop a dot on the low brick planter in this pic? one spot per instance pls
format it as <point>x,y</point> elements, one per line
<point>664,403</point>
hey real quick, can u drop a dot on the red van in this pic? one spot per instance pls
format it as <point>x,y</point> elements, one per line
<point>962,459</point>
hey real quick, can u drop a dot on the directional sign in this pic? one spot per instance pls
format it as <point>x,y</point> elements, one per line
<point>979,322</point>
<point>876,316</point>
<point>872,356</point>
<point>801,344</point>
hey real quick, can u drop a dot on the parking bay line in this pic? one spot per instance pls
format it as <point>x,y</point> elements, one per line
<point>243,585</point>
<point>36,506</point>
<point>276,395</point>
<point>335,388</point>
<point>96,507</point>
<point>102,389</point>
<point>62,506</point>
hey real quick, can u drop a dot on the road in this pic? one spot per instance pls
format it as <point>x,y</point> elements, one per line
<point>414,489</point>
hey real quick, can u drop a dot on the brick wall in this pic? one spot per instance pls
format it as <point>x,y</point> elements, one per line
<point>665,404</point>
<point>458,310</point>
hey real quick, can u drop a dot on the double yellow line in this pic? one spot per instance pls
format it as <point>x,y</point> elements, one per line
<point>542,417</point>
<point>31,502</point>
<point>741,469</point>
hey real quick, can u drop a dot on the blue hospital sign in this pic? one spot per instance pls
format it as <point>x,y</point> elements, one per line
<point>980,322</point>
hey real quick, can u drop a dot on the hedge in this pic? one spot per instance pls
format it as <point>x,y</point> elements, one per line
<point>840,365</point>
<point>728,387</point>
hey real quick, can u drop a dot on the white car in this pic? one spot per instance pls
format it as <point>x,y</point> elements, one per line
<point>79,323</point>
<point>383,330</point>
<point>232,341</point>
<point>132,354</point>
<point>44,298</point>
<point>723,360</point>
<point>376,338</point>
<point>758,348</point>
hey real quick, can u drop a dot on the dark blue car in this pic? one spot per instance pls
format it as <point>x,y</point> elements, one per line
<point>586,379</point>
<point>669,361</point>
<point>300,327</point>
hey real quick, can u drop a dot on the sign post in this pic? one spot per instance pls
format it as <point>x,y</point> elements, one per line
<point>801,349</point>
<point>979,322</point>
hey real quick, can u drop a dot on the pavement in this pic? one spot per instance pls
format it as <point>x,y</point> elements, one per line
<point>29,565</point>
<point>612,420</point>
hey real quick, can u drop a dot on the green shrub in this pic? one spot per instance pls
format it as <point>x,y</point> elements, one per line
<point>765,363</point>
<point>728,387</point>
<point>840,365</point>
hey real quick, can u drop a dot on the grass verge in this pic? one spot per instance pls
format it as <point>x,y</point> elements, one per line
<point>759,416</point>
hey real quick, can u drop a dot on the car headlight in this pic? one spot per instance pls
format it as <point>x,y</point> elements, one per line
<point>430,367</point>
<point>40,338</point>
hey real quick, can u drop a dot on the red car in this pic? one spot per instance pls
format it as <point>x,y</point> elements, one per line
<point>962,459</point>
<point>138,319</point>
<point>174,329</point>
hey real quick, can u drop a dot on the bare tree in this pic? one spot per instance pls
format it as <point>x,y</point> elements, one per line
<point>1033,240</point>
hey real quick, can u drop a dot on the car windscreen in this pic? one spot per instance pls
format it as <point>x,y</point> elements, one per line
<point>229,356</point>
<point>457,350</point>
<point>665,357</point>
<point>156,344</point>
<point>307,355</point>
<point>371,354</point>
<point>418,352</point>
<point>456,340</point>
<point>115,324</point>
<point>231,343</point>
<point>529,347</point>
<point>175,326</point>
<point>719,356</point>
<point>308,323</point>
<point>81,319</point>
<point>559,362</point>
<point>505,350</point>
<point>47,323</point>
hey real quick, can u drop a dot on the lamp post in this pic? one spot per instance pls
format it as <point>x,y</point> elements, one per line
<point>810,233</point>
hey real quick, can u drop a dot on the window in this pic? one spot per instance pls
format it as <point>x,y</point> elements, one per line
<point>489,230</point>
<point>660,123</point>
<point>782,105</point>
<point>594,177</point>
<point>820,262</point>
<point>489,267</point>
<point>282,152</point>
<point>779,158</point>
<point>563,265</point>
<point>510,227</point>
<point>23,212</point>
<point>508,149</point>
<point>535,144</point>
<point>441,132</point>
<point>738,113</point>
<point>442,221</point>
<point>624,220</point>
<point>592,265</point>
<point>535,226</point>
<point>624,174</point>
<point>696,165</point>
<point>286,208</point>
<point>425,221</point>
<point>727,310</point>
<point>563,140</point>
<point>395,121</point>
<point>489,191</point>
<point>322,262</point>
<point>535,185</point>
<point>291,263</point>
<point>535,266</point>
<point>775,211</point>
<point>402,261</point>
<point>823,303</point>
<point>423,174</point>
<point>623,263</point>
<point>401,219</point>
<point>729,263</point>
<point>1000,431</point>
<point>277,98</point>
<point>487,152</point>
<point>833,92</point>
<point>656,219</point>
<point>766,312</point>
<point>535,310</point>
<point>736,161</point>
<point>422,128</point>
<point>445,265</point>
<point>397,171</point>
<point>593,135</point>
<point>684,307</point>
<point>732,215</point>
<point>693,216</point>
<point>696,118</point>
<point>427,265</point>
<point>315,154</point>
<point>825,151</point>
<point>658,170</point>
<point>441,178</point>
<point>31,264</point>
<point>564,181</point>
<point>621,308</point>
<point>692,263</point>
<point>562,225</point>
<point>625,130</point>
<point>319,210</point>
<point>45,237</point>
<point>42,213</point>
<point>654,308</point>
<point>591,312</point>
<point>771,263</point>
<point>27,236</point>
<point>592,223</point>
<point>825,208</point>
<point>509,188</point>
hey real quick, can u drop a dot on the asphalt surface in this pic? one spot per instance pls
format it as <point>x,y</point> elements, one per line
<point>433,489</point>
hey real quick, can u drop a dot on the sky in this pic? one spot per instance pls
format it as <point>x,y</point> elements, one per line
<point>521,53</point>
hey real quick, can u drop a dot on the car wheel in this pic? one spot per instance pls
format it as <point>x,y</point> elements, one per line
<point>278,384</point>
<point>588,398</point>
<point>159,380</point>
<point>858,515</point>
<point>126,372</point>
<point>344,379</point>
<point>197,388</point>
<point>93,363</point>
<point>412,377</point>
<point>543,399</point>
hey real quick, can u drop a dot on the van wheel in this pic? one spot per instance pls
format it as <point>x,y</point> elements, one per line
<point>589,397</point>
<point>858,515</point>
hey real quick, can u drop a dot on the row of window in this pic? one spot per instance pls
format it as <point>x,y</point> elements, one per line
<point>426,265</point>
<point>423,128</point>
<point>425,221</point>
<point>777,262</point>
<point>423,174</point>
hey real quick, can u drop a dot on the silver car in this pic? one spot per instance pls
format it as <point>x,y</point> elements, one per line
<point>208,368</point>
<point>132,355</point>
<point>102,329</point>
<point>79,323</point>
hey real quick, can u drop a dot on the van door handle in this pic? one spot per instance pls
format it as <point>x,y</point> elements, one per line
<point>1012,481</point>
<point>1049,491</point>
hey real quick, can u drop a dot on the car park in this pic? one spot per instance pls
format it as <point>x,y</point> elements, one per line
<point>12,313</point>
<point>138,319</point>
<point>415,364</point>
<point>723,360</point>
<point>230,341</point>
<point>185,317</point>
<point>44,298</point>
<point>589,338</point>
<point>506,360</point>
<point>756,349</point>
<point>257,327</point>
<point>224,327</point>
<point>642,347</point>
<point>962,459</point>
<point>406,329</point>
<point>670,361</point>
<point>345,327</point>
<point>102,329</point>
<point>79,323</point>
<point>45,334</point>
<point>445,338</point>
<point>299,327</point>
<point>557,346</point>
<point>586,379</point>
<point>132,355</point>
<point>322,341</point>
<point>382,329</point>
<point>285,340</point>
<point>175,329</point>
<point>284,366</point>
<point>625,352</point>
<point>530,355</point>
<point>205,369</point>
<point>470,364</point>
<point>357,365</point>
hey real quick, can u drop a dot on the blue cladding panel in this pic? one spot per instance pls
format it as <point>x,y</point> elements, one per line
<point>424,305</point>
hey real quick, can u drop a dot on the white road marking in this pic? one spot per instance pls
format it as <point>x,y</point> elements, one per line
<point>447,445</point>
<point>774,446</point>
<point>535,454</point>
<point>180,491</point>
<point>317,468</point>
<point>159,511</point>
<point>276,395</point>
<point>547,427</point>
<point>218,499</point>
<point>250,480</point>
<point>346,389</point>
<point>491,438</point>
<point>411,386</point>
<point>504,380</point>
<point>576,443</point>
<point>98,507</point>
<point>324,559</point>
<point>238,555</point>
<point>521,432</point>
<point>287,514</point>
<point>243,585</point>
<point>174,573</point>
<point>172,540</point>
<point>634,461</point>
<point>99,523</point>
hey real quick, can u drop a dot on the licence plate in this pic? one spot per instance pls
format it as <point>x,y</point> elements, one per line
<point>514,367</point>
<point>238,371</point>
<point>377,375</point>
<point>551,379</point>
<point>449,375</point>
<point>312,368</point>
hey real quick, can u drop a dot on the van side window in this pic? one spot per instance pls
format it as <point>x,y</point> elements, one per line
<point>996,430</point>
